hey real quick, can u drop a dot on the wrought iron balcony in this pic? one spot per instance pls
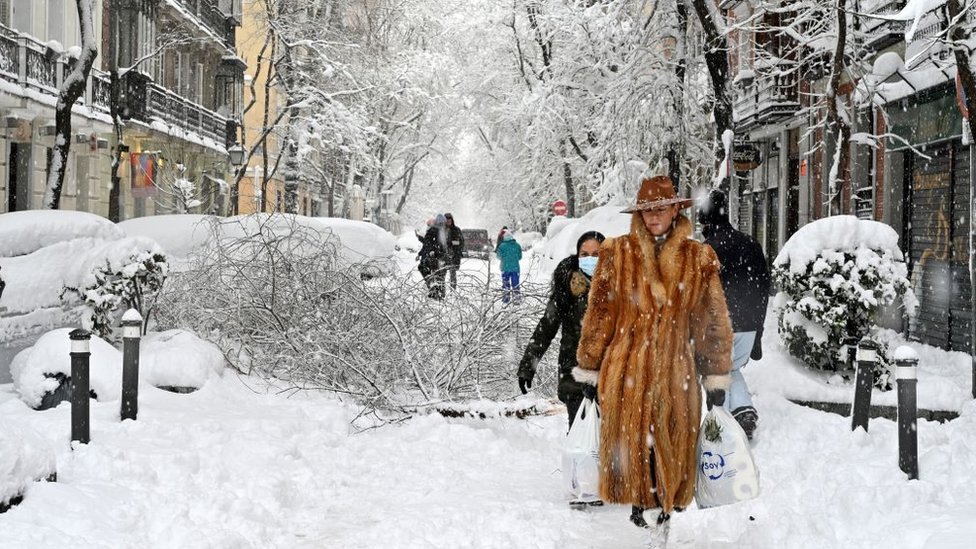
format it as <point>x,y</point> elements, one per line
<point>882,33</point>
<point>766,99</point>
<point>210,15</point>
<point>36,68</point>
<point>175,110</point>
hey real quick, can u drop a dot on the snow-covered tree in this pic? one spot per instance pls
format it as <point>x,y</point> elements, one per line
<point>72,88</point>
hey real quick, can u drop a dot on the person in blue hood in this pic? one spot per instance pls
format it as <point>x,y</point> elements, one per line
<point>510,253</point>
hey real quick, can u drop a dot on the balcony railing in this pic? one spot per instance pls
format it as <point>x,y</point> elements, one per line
<point>25,62</point>
<point>882,33</point>
<point>209,14</point>
<point>178,111</point>
<point>766,99</point>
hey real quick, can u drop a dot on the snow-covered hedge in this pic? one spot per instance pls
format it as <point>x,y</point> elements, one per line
<point>25,458</point>
<point>178,358</point>
<point>833,276</point>
<point>40,369</point>
<point>563,232</point>
<point>119,275</point>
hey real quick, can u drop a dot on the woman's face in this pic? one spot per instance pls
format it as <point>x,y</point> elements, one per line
<point>590,248</point>
<point>658,220</point>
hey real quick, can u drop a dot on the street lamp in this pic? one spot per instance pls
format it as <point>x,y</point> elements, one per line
<point>236,154</point>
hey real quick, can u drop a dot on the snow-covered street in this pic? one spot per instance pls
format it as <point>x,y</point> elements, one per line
<point>229,466</point>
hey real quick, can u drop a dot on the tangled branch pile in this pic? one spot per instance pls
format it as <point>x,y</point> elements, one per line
<point>281,303</point>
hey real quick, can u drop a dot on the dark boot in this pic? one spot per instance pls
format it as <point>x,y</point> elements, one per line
<point>637,517</point>
<point>747,418</point>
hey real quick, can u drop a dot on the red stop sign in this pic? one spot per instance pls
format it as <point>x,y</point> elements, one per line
<point>559,207</point>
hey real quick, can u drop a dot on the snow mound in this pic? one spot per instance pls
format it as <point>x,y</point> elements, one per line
<point>25,232</point>
<point>178,235</point>
<point>51,356</point>
<point>178,358</point>
<point>840,232</point>
<point>562,243</point>
<point>26,457</point>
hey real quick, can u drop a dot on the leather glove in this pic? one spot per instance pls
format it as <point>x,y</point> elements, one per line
<point>589,391</point>
<point>715,397</point>
<point>525,383</point>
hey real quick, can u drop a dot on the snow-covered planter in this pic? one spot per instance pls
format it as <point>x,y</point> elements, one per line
<point>833,275</point>
<point>26,458</point>
<point>44,368</point>
<point>178,360</point>
<point>128,274</point>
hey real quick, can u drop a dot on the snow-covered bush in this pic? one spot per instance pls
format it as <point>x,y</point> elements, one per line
<point>40,369</point>
<point>128,275</point>
<point>178,359</point>
<point>285,306</point>
<point>833,276</point>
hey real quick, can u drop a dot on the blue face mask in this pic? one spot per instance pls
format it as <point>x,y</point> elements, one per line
<point>588,265</point>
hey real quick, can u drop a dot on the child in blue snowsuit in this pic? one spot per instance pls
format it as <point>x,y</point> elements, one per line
<point>509,253</point>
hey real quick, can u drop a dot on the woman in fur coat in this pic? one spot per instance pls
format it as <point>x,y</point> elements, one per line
<point>656,322</point>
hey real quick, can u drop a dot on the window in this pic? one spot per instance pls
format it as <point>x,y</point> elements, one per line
<point>5,12</point>
<point>55,21</point>
<point>21,15</point>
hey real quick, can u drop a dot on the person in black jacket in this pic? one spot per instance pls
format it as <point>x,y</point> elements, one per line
<point>433,256</point>
<point>567,303</point>
<point>455,248</point>
<point>746,281</point>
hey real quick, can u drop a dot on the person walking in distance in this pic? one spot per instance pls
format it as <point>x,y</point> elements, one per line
<point>745,278</point>
<point>455,249</point>
<point>510,254</point>
<point>655,324</point>
<point>433,255</point>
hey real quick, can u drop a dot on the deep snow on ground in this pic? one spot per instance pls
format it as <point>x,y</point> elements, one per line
<point>239,464</point>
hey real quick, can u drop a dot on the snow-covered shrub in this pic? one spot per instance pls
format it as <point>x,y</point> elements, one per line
<point>833,275</point>
<point>128,275</point>
<point>286,306</point>
<point>178,359</point>
<point>40,369</point>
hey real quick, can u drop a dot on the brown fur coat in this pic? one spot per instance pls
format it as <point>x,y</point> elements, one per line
<point>657,319</point>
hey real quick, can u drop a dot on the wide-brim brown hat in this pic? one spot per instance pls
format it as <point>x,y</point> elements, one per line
<point>657,191</point>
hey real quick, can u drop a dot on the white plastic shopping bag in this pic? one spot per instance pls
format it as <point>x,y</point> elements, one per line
<point>726,471</point>
<point>581,459</point>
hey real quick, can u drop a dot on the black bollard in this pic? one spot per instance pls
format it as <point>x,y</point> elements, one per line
<point>906,367</point>
<point>867,357</point>
<point>80,357</point>
<point>131,334</point>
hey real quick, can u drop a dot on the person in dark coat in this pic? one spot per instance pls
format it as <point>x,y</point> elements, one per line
<point>746,281</point>
<point>433,255</point>
<point>567,303</point>
<point>455,248</point>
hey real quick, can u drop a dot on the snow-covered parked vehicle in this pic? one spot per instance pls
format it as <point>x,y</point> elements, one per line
<point>60,267</point>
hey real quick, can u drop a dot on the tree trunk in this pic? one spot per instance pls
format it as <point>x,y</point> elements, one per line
<point>837,125</point>
<point>71,89</point>
<point>568,181</point>
<point>717,61</point>
<point>676,147</point>
<point>115,98</point>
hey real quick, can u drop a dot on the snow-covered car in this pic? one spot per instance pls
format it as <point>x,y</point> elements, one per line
<point>476,243</point>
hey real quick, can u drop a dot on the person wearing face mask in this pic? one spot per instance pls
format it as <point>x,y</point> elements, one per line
<point>567,303</point>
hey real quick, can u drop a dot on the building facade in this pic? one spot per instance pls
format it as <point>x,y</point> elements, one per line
<point>178,97</point>
<point>909,165</point>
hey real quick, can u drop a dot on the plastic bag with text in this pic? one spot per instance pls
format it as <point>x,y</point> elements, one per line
<point>727,472</point>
